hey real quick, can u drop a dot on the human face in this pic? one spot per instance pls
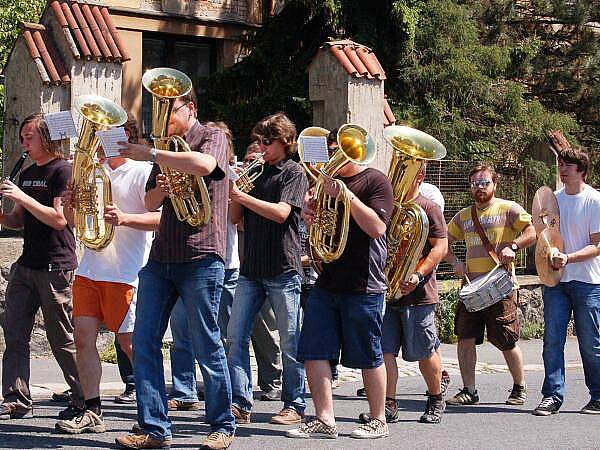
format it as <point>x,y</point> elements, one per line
<point>273,149</point>
<point>483,187</point>
<point>32,143</point>
<point>179,120</point>
<point>568,172</point>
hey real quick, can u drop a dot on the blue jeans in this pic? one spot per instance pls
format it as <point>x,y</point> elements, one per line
<point>198,284</point>
<point>183,362</point>
<point>583,299</point>
<point>283,292</point>
<point>227,294</point>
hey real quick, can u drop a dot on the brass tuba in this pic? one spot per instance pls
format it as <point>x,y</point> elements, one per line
<point>329,231</point>
<point>409,227</point>
<point>166,85</point>
<point>91,185</point>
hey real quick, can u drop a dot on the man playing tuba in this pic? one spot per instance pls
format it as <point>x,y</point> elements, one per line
<point>184,261</point>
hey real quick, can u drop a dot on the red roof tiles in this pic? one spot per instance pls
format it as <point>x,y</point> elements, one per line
<point>388,115</point>
<point>357,59</point>
<point>42,51</point>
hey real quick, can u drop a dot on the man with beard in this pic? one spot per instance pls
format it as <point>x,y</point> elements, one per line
<point>508,228</point>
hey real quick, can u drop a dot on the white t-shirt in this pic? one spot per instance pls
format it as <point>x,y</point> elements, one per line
<point>232,256</point>
<point>431,192</point>
<point>579,218</point>
<point>122,259</point>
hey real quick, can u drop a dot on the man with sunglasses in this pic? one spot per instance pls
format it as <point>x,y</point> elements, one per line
<point>270,268</point>
<point>508,228</point>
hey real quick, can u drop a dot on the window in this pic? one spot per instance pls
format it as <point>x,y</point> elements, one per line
<point>193,56</point>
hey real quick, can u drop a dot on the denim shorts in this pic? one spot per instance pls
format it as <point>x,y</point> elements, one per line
<point>412,329</point>
<point>347,322</point>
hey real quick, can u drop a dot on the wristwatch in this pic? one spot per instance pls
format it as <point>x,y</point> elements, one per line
<point>514,247</point>
<point>153,155</point>
<point>421,277</point>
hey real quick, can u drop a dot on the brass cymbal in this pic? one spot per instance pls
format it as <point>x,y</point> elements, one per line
<point>545,212</point>
<point>549,241</point>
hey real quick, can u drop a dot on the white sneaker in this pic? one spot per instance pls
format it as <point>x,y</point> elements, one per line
<point>373,429</point>
<point>316,428</point>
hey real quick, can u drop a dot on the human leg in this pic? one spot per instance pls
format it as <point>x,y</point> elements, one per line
<point>266,350</point>
<point>183,361</point>
<point>227,294</point>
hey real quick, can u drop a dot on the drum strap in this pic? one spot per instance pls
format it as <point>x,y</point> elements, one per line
<point>484,239</point>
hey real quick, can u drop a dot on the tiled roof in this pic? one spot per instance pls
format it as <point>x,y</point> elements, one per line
<point>89,31</point>
<point>388,115</point>
<point>357,59</point>
<point>42,51</point>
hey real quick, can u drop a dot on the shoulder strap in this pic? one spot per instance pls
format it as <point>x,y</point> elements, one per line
<point>484,239</point>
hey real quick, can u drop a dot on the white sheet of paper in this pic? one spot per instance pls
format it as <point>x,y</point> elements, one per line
<point>60,125</point>
<point>109,139</point>
<point>231,174</point>
<point>314,149</point>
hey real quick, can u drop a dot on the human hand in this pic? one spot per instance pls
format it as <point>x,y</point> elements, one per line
<point>559,260</point>
<point>162,182</point>
<point>112,214</point>
<point>406,287</point>
<point>138,152</point>
<point>507,255</point>
<point>10,190</point>
<point>235,194</point>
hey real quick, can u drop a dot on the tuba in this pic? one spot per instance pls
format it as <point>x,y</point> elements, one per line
<point>409,227</point>
<point>166,85</point>
<point>91,185</point>
<point>250,173</point>
<point>329,231</point>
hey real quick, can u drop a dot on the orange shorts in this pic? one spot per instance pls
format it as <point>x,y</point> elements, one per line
<point>111,303</point>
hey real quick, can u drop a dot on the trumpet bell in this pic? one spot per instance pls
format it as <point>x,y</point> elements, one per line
<point>414,143</point>
<point>357,145</point>
<point>100,111</point>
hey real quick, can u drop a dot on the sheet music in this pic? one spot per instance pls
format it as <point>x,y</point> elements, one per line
<point>60,125</point>
<point>231,174</point>
<point>109,139</point>
<point>314,149</point>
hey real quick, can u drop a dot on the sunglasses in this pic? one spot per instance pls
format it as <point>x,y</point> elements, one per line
<point>480,183</point>
<point>266,141</point>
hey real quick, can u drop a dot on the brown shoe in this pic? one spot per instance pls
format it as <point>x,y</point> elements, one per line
<point>142,441</point>
<point>240,415</point>
<point>180,405</point>
<point>14,410</point>
<point>217,440</point>
<point>287,416</point>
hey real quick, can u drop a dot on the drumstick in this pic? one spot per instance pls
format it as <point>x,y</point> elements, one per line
<point>482,282</point>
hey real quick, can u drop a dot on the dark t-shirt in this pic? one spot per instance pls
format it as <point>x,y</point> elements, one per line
<point>177,241</point>
<point>427,293</point>
<point>272,248</point>
<point>43,246</point>
<point>360,269</point>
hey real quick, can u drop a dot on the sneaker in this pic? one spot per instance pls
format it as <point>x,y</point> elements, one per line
<point>61,397</point>
<point>391,412</point>
<point>86,422</point>
<point>180,405</point>
<point>287,416</point>
<point>517,396</point>
<point>142,441</point>
<point>240,415</point>
<point>464,397</point>
<point>548,406</point>
<point>126,398</point>
<point>593,407</point>
<point>217,440</point>
<point>70,412</point>
<point>316,428</point>
<point>433,409</point>
<point>443,385</point>
<point>362,392</point>
<point>335,383</point>
<point>274,395</point>
<point>14,410</point>
<point>373,429</point>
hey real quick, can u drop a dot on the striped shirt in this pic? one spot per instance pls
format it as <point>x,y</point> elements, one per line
<point>502,222</point>
<point>177,241</point>
<point>272,248</point>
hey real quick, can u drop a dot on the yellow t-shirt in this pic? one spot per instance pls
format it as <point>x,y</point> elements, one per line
<point>502,222</point>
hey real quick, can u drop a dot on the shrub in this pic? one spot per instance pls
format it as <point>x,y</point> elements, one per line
<point>445,316</point>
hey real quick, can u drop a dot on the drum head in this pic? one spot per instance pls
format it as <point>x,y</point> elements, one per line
<point>544,211</point>
<point>549,240</point>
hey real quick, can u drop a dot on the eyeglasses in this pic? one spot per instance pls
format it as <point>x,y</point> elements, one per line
<point>480,183</point>
<point>266,141</point>
<point>178,108</point>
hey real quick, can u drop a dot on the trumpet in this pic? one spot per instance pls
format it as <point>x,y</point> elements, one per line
<point>250,173</point>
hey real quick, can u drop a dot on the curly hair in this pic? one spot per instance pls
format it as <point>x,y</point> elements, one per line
<point>277,126</point>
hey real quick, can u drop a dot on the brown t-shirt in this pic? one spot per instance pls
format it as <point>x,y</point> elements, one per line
<point>427,293</point>
<point>177,241</point>
<point>360,269</point>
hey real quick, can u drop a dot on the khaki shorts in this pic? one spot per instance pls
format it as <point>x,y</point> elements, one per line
<point>111,303</point>
<point>500,320</point>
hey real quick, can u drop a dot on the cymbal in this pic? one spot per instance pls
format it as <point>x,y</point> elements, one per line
<point>545,212</point>
<point>549,241</point>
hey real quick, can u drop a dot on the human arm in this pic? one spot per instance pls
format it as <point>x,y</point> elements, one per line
<point>459,267</point>
<point>148,221</point>
<point>592,250</point>
<point>52,216</point>
<point>13,220</point>
<point>277,212</point>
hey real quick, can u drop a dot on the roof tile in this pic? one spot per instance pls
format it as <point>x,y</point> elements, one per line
<point>42,51</point>
<point>357,60</point>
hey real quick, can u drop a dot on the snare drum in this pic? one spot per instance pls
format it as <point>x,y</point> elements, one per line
<point>487,289</point>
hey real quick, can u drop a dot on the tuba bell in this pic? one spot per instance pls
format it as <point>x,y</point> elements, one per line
<point>409,227</point>
<point>329,231</point>
<point>166,85</point>
<point>91,185</point>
